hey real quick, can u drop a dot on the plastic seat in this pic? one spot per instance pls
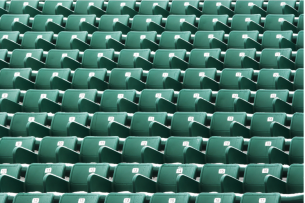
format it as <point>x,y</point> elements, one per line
<point>283,83</point>
<point>7,75</point>
<point>70,197</point>
<point>280,105</point>
<point>283,61</point>
<point>8,94</point>
<point>9,35</point>
<point>21,197</point>
<point>120,197</point>
<point>295,155</point>
<point>8,21</point>
<point>285,43</point>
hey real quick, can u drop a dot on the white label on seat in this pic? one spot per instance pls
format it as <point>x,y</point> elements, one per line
<point>277,54</point>
<point>142,36</point>
<point>91,74</point>
<point>18,144</point>
<point>82,95</point>
<point>201,74</point>
<point>108,36</point>
<point>265,170</point>
<point>55,74</point>
<point>155,4</point>
<point>148,20</point>
<point>190,118</point>
<point>64,55</point>
<point>177,36</point>
<point>241,54</point>
<point>4,95</point>
<point>158,95</point>
<point>164,75</point>
<point>60,143</point>
<point>262,200</point>
<point>120,96</point>
<point>115,20</point>
<point>221,171</point>
<point>122,4</point>
<point>238,74</point>
<point>270,119</point>
<point>16,74</point>
<point>186,3</point>
<point>230,118</point>
<point>234,95</point>
<point>172,200</point>
<point>3,171</point>
<point>268,143</point>
<point>196,95</point>
<point>31,119</point>
<point>185,143</point>
<point>276,74</point>
<point>91,3</point>
<point>244,36</point>
<point>74,36</point>
<point>143,143</point>
<point>82,200</point>
<point>151,118</point>
<point>43,96</point>
<point>39,36</point>
<point>281,19</point>
<point>250,4</point>
<point>136,54</point>
<point>101,143</point>
<point>5,37</point>
<point>217,200</point>
<point>210,36</point>
<point>71,119</point>
<point>126,200</point>
<point>35,200</point>
<point>82,19</point>
<point>111,118</point>
<point>92,170</point>
<point>218,4</point>
<point>182,20</point>
<point>206,54</point>
<point>100,54</point>
<point>247,19</point>
<point>226,143</point>
<point>215,20</point>
<point>171,54</point>
<point>179,170</point>
<point>59,4</point>
<point>25,3</point>
<point>127,74</point>
<point>28,55</point>
<point>135,170</point>
<point>279,36</point>
<point>283,3</point>
<point>272,95</point>
<point>16,19</point>
<point>50,20</point>
<point>48,170</point>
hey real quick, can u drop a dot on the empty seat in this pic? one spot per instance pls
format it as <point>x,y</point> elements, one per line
<point>272,22</point>
<point>283,83</point>
<point>8,21</point>
<point>285,62</point>
<point>285,43</point>
<point>7,75</point>
<point>280,105</point>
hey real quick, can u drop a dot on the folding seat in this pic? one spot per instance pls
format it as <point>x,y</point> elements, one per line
<point>9,35</point>
<point>109,101</point>
<point>201,40</point>
<point>34,197</point>
<point>210,7</point>
<point>155,79</point>
<point>210,179</point>
<point>178,7</point>
<point>254,177</point>
<point>294,183</point>
<point>166,179</point>
<point>295,156</point>
<point>296,127</point>
<point>8,94</point>
<point>273,7</point>
<point>298,82</point>
<point>241,7</point>
<point>281,105</point>
<point>7,21</point>
<point>258,150</point>
<point>266,79</point>
<point>285,25</point>
<point>60,124</point>
<point>168,40</point>
<point>48,150</point>
<point>62,42</point>
<point>53,59</point>
<point>256,197</point>
<point>34,178</point>
<point>17,6</point>
<point>114,7</point>
<point>74,197</point>
<point>120,197</point>
<point>122,178</point>
<point>133,40</point>
<point>285,62</point>
<point>225,197</point>
<point>268,59</point>
<point>81,8</point>
<point>7,75</point>
<point>19,122</point>
<point>13,170</point>
<point>162,59</point>
<point>285,43</point>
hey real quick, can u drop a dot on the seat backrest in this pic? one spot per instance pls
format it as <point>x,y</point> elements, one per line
<point>198,57</point>
<point>120,197</point>
<point>146,7</point>
<point>11,35</point>
<point>192,76</point>
<point>148,97</point>
<point>298,101</point>
<point>114,6</point>
<point>91,56</point>
<point>258,148</point>
<point>40,21</point>
<point>32,97</point>
<point>166,180</point>
<point>210,7</point>
<point>10,94</point>
<point>141,120</point>
<point>100,120</point>
<point>48,146</point>
<point>110,98</point>
<point>127,57</point>
<point>140,22</point>
<point>211,174</point>
<point>174,147</point>
<point>71,97</point>
<point>256,197</point>
<point>296,125</point>
<point>269,57</point>
<point>210,197</point>
<point>81,171</point>
<point>34,197</point>
<point>202,38</point>
<point>79,197</point>
<point>107,21</point>
<point>16,6</point>
<point>296,155</point>
<point>82,75</point>
<point>133,146</point>
<point>168,38</point>
<point>236,38</point>
<point>54,57</point>
<point>206,22</point>
<point>7,145</point>
<point>61,119</point>
<point>298,82</point>
<point>263,101</point>
<point>20,120</point>
<point>173,22</point>
<point>244,7</point>
<point>7,75</point>
<point>274,21</point>
<point>181,121</point>
<point>233,57</point>
<point>216,147</point>
<point>225,99</point>
<point>162,57</point>
<point>91,145</point>
<point>295,178</point>
<point>29,38</point>
<point>74,21</point>
<point>240,21</point>
<point>35,173</point>
<point>221,121</point>
<point>8,19</point>
<point>266,77</point>
<point>99,39</point>
<point>255,174</point>
<point>178,7</point>
<point>134,39</point>
<point>229,77</point>
<point>170,198</point>
<point>13,170</point>
<point>155,77</point>
<point>44,75</point>
<point>18,56</point>
<point>124,172</point>
<point>50,6</point>
<point>275,7</point>
<point>187,98</point>
<point>271,39</point>
<point>117,78</point>
<point>64,38</point>
<point>260,123</point>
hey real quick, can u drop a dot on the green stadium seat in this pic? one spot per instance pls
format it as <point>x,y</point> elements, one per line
<point>210,7</point>
<point>9,36</point>
<point>285,43</point>
<point>285,62</point>
<point>280,105</point>
<point>7,75</point>
<point>241,7</point>
<point>166,179</point>
<point>8,94</point>
<point>17,6</point>
<point>114,7</point>
<point>13,170</point>
<point>120,197</point>
<point>74,197</point>
<point>225,197</point>
<point>33,197</point>
<point>50,7</point>
<point>296,127</point>
<point>81,8</point>
<point>295,155</point>
<point>298,82</point>
<point>8,21</point>
<point>256,197</point>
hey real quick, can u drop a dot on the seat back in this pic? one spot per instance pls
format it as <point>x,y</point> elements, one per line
<point>64,38</point>
<point>8,19</point>
<point>187,98</point>
<point>91,56</point>
<point>229,77</point>
<point>75,197</point>
<point>16,6</point>
<point>99,39</point>
<point>40,21</point>
<point>13,170</point>
<point>275,7</point>
<point>110,98</point>
<point>82,75</point>
<point>233,57</point>
<point>18,56</point>
<point>236,38</point>
<point>120,197</point>
<point>134,39</point>
<point>32,97</point>
<point>7,75</point>
<point>114,7</point>
<point>174,21</point>
<point>117,78</point>
<point>206,22</point>
<point>210,197</point>
<point>295,178</point>
<point>148,97</point>
<point>225,99</point>
<point>162,57</point>
<point>155,77</point>
<point>10,94</point>
<point>54,57</point>
<point>107,21</point>
<point>71,97</point>
<point>274,21</point>
<point>11,35</point>
<point>296,149</point>
<point>269,57</point>
<point>49,7</point>
<point>81,7</point>
<point>202,38</point>
<point>296,125</point>
<point>45,74</point>
<point>266,77</point>
<point>263,101</point>
<point>298,101</point>
<point>127,57</point>
<point>271,39</point>
<point>299,79</point>
<point>29,38</point>
<point>168,38</point>
<point>31,197</point>
<point>140,22</point>
<point>198,57</point>
<point>256,197</point>
<point>240,21</point>
<point>74,21</point>
<point>192,76</point>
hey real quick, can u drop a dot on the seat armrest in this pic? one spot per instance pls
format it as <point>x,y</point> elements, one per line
<point>197,129</point>
<point>9,106</point>
<point>238,129</point>
<point>187,184</point>
<point>109,155</point>
<point>11,184</point>
<point>223,10</point>
<point>157,10</point>
<point>142,183</point>
<point>132,83</point>
<point>118,129</point>
<point>219,26</point>
<point>276,155</point>
<point>183,44</point>
<point>49,106</point>
<point>186,26</point>
<point>192,155</point>
<point>231,184</point>
<point>212,62</point>
<point>163,105</point>
<point>216,43</point>
<point>158,129</point>
<point>274,184</point>
<point>28,9</point>
<point>60,83</point>
<point>128,11</point>
<point>10,45</point>
<point>97,183</point>
<point>118,26</point>
<point>285,63</point>
<point>85,26</point>
<point>4,131</point>
<point>279,130</point>
<point>77,129</point>
<point>114,44</point>
<point>192,10</point>
<point>96,83</point>
<point>258,10</point>
<point>148,44</point>
<point>235,156</point>
<point>86,105</point>
<point>141,62</point>
<point>283,84</point>
<point>53,183</point>
<point>22,83</point>
<point>33,63</point>
<point>107,63</point>
<point>44,44</point>
<point>125,105</point>
<point>209,83</point>
<point>178,63</point>
<point>68,62</point>
<point>241,105</point>
<point>170,83</point>
<point>281,106</point>
<point>37,130</point>
<point>24,156</point>
<point>66,155</point>
<point>285,25</point>
<point>204,105</point>
<point>62,10</point>
<point>95,10</point>
<point>54,27</point>
<point>248,62</point>
<point>246,83</point>
<point>151,155</point>
<point>287,9</point>
<point>285,43</point>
